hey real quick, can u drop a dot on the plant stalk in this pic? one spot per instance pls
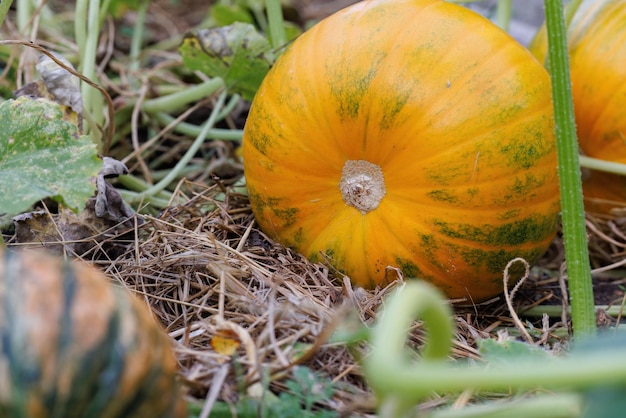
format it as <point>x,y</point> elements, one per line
<point>4,9</point>
<point>182,163</point>
<point>278,36</point>
<point>572,208</point>
<point>400,382</point>
<point>504,12</point>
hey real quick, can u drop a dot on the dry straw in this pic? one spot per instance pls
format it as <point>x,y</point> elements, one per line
<point>206,270</point>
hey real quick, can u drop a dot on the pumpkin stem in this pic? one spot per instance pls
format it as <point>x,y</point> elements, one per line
<point>362,185</point>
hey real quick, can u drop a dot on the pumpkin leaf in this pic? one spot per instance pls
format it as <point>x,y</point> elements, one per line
<point>227,14</point>
<point>502,352</point>
<point>43,156</point>
<point>237,53</point>
<point>60,83</point>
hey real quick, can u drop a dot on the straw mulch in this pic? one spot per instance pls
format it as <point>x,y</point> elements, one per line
<point>208,273</point>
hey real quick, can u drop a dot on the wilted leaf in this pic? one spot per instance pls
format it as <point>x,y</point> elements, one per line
<point>237,53</point>
<point>34,90</point>
<point>225,342</point>
<point>105,214</point>
<point>42,155</point>
<point>60,83</point>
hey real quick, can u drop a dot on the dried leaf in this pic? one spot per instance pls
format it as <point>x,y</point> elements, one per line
<point>104,215</point>
<point>62,85</point>
<point>225,342</point>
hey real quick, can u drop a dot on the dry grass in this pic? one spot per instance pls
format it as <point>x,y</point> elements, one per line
<point>206,270</point>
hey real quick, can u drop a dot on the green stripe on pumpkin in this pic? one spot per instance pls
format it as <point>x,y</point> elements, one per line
<point>534,228</point>
<point>56,399</point>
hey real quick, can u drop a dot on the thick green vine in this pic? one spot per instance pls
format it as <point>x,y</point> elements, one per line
<point>572,208</point>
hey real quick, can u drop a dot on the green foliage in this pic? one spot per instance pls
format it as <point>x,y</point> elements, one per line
<point>42,156</point>
<point>117,8</point>
<point>304,390</point>
<point>592,377</point>
<point>237,53</point>
<point>503,352</point>
<point>223,14</point>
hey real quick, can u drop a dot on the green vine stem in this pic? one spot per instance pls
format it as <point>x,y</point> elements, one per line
<point>24,12</point>
<point>87,32</point>
<point>193,149</point>
<point>194,130</point>
<point>137,38</point>
<point>602,165</point>
<point>503,14</point>
<point>572,209</point>
<point>5,5</point>
<point>562,405</point>
<point>400,383</point>
<point>555,311</point>
<point>178,100</point>
<point>388,357</point>
<point>134,197</point>
<point>570,11</point>
<point>276,23</point>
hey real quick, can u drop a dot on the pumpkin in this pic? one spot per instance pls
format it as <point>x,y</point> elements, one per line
<point>406,135</point>
<point>74,345</point>
<point>597,46</point>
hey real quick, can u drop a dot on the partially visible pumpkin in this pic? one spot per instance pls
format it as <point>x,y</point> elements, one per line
<point>597,46</point>
<point>410,134</point>
<point>73,345</point>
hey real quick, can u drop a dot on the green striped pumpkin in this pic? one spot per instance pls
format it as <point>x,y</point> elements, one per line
<point>72,345</point>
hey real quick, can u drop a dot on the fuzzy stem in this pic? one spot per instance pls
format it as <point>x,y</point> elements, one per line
<point>603,165</point>
<point>5,5</point>
<point>24,9</point>
<point>276,24</point>
<point>414,299</point>
<point>400,383</point>
<point>194,130</point>
<point>572,209</point>
<point>182,163</point>
<point>180,99</point>
<point>87,32</point>
<point>554,311</point>
<point>503,14</point>
<point>137,39</point>
<point>570,11</point>
<point>561,405</point>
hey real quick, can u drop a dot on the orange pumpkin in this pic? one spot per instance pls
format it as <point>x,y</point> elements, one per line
<point>597,45</point>
<point>73,345</point>
<point>410,134</point>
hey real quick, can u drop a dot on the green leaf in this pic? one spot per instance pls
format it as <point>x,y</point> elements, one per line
<point>602,401</point>
<point>509,350</point>
<point>292,31</point>
<point>42,155</point>
<point>237,53</point>
<point>225,14</point>
<point>117,8</point>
